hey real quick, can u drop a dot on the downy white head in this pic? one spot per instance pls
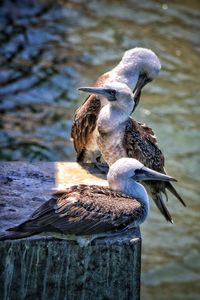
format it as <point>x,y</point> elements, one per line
<point>137,67</point>
<point>124,174</point>
<point>120,105</point>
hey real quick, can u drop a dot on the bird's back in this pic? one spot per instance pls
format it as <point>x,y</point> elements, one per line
<point>82,210</point>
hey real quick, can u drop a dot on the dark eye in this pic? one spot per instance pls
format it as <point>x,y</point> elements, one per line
<point>112,93</point>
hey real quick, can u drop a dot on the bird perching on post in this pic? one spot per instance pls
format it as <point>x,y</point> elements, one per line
<point>94,211</point>
<point>119,135</point>
<point>137,67</point>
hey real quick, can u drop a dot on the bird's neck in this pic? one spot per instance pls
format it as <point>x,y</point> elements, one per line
<point>125,73</point>
<point>133,189</point>
<point>110,118</point>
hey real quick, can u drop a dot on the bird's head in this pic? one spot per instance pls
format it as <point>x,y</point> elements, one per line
<point>140,63</point>
<point>116,93</point>
<point>129,168</point>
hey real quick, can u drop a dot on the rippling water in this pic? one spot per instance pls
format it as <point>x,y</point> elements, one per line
<point>48,50</point>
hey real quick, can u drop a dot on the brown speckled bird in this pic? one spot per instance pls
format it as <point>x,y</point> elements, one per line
<point>93,211</point>
<point>137,67</point>
<point>119,135</point>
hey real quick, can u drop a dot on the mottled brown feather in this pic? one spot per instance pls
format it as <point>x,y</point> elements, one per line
<point>84,124</point>
<point>140,143</point>
<point>83,210</point>
<point>85,120</point>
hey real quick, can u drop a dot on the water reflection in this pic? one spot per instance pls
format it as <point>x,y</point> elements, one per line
<point>50,48</point>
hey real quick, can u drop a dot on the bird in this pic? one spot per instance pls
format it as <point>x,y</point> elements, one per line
<point>91,210</point>
<point>137,67</point>
<point>119,135</point>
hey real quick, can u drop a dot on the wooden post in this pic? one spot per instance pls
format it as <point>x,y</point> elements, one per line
<point>47,268</point>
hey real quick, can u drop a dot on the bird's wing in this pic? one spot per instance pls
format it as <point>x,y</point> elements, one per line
<point>140,143</point>
<point>84,210</point>
<point>85,123</point>
<point>85,119</point>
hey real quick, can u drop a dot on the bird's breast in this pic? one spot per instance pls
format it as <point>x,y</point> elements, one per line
<point>111,144</point>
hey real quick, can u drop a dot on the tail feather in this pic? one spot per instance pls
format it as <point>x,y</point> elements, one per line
<point>12,235</point>
<point>170,187</point>
<point>161,206</point>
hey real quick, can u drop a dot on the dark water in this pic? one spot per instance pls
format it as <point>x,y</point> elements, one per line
<point>47,50</point>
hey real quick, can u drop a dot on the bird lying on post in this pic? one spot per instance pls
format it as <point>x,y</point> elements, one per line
<point>137,67</point>
<point>122,136</point>
<point>83,210</point>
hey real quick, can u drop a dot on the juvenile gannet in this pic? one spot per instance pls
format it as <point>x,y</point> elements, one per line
<point>122,136</point>
<point>137,67</point>
<point>94,210</point>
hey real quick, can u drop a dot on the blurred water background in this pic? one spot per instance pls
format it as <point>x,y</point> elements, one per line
<point>50,48</point>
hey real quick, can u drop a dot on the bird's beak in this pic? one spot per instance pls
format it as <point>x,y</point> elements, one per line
<point>142,81</point>
<point>145,173</point>
<point>106,92</point>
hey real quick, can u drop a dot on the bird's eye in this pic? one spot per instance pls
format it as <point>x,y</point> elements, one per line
<point>112,93</point>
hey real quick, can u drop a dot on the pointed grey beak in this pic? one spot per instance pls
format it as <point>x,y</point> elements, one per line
<point>106,92</point>
<point>142,81</point>
<point>145,173</point>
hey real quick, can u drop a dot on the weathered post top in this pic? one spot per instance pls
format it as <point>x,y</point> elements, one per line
<point>43,267</point>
